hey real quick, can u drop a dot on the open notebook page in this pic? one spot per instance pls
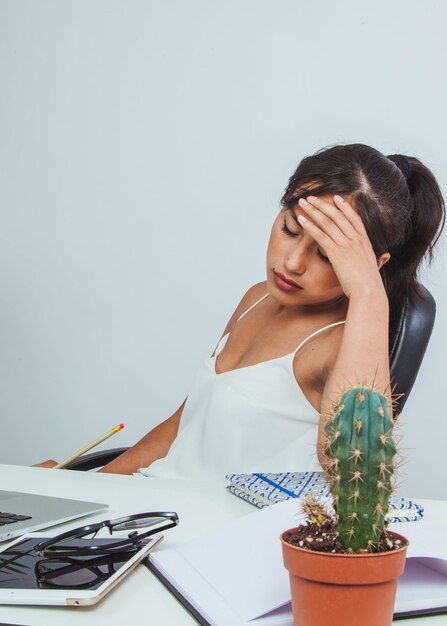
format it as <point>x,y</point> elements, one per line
<point>238,570</point>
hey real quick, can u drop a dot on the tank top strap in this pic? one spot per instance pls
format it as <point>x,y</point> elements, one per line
<point>316,332</point>
<point>252,307</point>
<point>223,339</point>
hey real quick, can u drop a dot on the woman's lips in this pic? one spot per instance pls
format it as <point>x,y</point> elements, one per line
<point>285,284</point>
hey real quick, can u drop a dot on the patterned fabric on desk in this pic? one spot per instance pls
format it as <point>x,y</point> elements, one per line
<point>264,489</point>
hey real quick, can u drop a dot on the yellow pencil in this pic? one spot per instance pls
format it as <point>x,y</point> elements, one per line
<point>88,447</point>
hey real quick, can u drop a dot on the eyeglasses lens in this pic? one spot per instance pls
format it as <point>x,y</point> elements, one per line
<point>145,522</point>
<point>68,574</point>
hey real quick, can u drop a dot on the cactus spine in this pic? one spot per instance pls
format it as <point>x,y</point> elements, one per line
<point>361,449</point>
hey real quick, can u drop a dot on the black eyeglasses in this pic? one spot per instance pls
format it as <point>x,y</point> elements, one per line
<point>75,573</point>
<point>57,546</point>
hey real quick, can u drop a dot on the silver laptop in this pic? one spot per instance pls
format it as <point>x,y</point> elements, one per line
<point>22,513</point>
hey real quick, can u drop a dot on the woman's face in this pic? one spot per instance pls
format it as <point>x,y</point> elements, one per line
<point>294,256</point>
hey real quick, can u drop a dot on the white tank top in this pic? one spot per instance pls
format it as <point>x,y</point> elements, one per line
<point>249,419</point>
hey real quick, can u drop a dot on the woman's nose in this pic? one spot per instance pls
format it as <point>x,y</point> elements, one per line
<point>295,261</point>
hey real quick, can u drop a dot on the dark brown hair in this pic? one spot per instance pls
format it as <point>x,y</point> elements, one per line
<point>396,196</point>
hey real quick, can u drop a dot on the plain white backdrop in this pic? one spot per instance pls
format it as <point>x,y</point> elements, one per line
<point>144,147</point>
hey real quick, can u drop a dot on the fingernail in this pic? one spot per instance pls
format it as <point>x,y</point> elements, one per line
<point>302,219</point>
<point>311,198</point>
<point>303,202</point>
<point>338,198</point>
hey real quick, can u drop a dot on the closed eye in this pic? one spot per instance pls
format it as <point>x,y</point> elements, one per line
<point>290,233</point>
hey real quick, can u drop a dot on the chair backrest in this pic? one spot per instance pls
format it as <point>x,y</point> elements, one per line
<point>94,460</point>
<point>409,344</point>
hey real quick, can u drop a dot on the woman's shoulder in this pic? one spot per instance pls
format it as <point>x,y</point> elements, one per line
<point>252,295</point>
<point>329,347</point>
<point>316,359</point>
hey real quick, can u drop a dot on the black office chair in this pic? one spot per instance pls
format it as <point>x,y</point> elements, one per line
<point>407,351</point>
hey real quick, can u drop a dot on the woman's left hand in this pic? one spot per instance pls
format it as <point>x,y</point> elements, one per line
<point>339,231</point>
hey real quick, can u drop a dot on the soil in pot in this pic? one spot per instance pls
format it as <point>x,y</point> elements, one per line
<point>323,538</point>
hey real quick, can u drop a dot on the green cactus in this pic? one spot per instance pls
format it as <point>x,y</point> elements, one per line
<point>361,450</point>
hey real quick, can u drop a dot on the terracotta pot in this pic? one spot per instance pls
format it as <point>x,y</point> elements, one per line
<point>343,589</point>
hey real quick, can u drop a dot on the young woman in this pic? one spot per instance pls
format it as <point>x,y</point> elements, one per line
<point>344,250</point>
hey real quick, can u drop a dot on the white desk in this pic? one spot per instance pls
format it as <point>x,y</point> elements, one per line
<point>140,599</point>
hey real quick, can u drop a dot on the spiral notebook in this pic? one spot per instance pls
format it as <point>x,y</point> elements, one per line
<point>264,489</point>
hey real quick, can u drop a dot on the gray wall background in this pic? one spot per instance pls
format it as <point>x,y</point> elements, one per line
<point>144,147</point>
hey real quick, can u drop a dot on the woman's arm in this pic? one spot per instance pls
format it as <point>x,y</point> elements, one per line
<point>363,353</point>
<point>151,447</point>
<point>362,358</point>
<point>155,445</point>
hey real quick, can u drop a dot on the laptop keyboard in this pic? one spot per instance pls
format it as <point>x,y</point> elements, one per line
<point>11,518</point>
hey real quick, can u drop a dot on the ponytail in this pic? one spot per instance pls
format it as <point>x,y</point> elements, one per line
<point>423,229</point>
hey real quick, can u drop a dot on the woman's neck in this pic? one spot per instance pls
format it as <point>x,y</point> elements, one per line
<point>338,307</point>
